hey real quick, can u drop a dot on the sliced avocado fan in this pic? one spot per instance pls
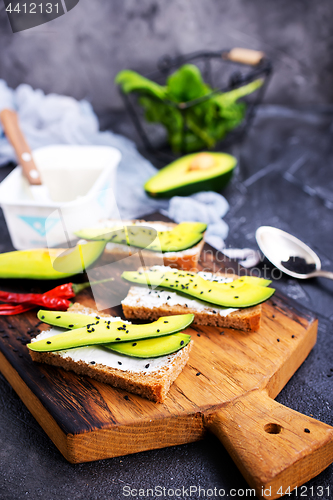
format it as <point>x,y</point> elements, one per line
<point>185,235</point>
<point>236,294</point>
<point>104,331</point>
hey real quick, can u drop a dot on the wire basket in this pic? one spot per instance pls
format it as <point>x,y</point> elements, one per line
<point>223,70</point>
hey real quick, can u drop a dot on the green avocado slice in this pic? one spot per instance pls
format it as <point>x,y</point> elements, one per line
<point>193,285</point>
<point>192,173</point>
<point>183,236</point>
<point>151,348</point>
<point>67,319</point>
<point>251,280</point>
<point>49,263</point>
<point>105,331</point>
<point>193,227</point>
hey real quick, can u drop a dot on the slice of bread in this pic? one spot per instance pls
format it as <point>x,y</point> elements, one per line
<point>149,378</point>
<point>151,304</point>
<point>184,259</point>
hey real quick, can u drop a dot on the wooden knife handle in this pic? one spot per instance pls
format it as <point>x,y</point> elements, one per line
<point>10,123</point>
<point>274,447</point>
<point>244,56</point>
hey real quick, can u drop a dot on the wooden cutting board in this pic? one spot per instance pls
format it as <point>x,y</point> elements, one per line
<point>228,388</point>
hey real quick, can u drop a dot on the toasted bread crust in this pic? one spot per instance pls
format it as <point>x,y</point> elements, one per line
<point>247,319</point>
<point>153,386</point>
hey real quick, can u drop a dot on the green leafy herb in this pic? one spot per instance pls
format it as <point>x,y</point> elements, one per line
<point>206,122</point>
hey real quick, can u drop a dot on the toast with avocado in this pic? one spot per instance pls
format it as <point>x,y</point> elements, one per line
<point>176,245</point>
<point>226,301</point>
<point>141,359</point>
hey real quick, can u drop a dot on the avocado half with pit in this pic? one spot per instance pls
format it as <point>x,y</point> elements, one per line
<point>192,173</point>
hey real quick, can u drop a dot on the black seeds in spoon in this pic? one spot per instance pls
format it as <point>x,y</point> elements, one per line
<point>298,265</point>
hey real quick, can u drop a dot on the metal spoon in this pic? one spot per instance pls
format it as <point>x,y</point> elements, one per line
<point>279,246</point>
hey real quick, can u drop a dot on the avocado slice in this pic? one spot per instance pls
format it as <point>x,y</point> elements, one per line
<point>105,331</point>
<point>193,285</point>
<point>183,236</point>
<point>192,173</point>
<point>49,263</point>
<point>251,280</point>
<point>151,348</point>
<point>67,319</point>
<point>196,227</point>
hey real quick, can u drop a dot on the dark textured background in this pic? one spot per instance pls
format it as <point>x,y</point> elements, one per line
<point>80,53</point>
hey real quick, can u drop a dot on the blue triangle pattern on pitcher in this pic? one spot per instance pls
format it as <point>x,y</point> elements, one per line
<point>38,224</point>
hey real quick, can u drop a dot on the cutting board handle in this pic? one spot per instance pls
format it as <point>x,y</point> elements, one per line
<point>274,447</point>
<point>11,126</point>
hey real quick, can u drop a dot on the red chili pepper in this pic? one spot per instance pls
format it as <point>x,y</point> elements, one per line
<point>37,299</point>
<point>10,310</point>
<point>53,299</point>
<point>69,290</point>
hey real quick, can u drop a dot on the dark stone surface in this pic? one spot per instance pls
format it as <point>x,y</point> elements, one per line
<point>284,180</point>
<point>80,53</point>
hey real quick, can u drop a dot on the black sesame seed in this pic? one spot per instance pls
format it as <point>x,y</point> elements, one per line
<point>293,336</point>
<point>147,365</point>
<point>119,363</point>
<point>307,430</point>
<point>273,316</point>
<point>198,373</point>
<point>57,317</point>
<point>48,342</point>
<point>168,297</point>
<point>278,340</point>
<point>92,362</point>
<point>201,292</point>
<point>134,344</point>
<point>198,335</point>
<point>214,312</point>
<point>222,333</point>
<point>43,317</point>
<point>236,297</point>
<point>166,321</point>
<point>118,338</point>
<point>157,330</point>
<point>70,326</point>
<point>127,398</point>
<point>182,342</point>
